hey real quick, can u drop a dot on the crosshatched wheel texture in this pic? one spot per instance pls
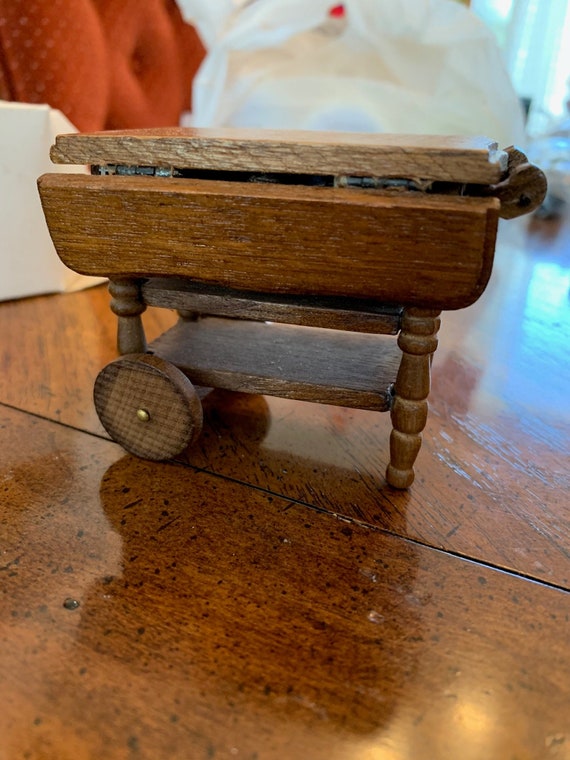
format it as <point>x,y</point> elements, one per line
<point>148,406</point>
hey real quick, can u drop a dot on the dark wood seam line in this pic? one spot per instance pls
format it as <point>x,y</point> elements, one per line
<point>320,510</point>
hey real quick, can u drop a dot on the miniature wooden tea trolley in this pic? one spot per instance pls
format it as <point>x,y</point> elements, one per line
<point>290,257</point>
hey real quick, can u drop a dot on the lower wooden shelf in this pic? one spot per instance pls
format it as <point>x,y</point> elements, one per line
<point>305,363</point>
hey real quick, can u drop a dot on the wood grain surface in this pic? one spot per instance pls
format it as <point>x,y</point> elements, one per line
<point>148,406</point>
<point>432,157</point>
<point>325,366</point>
<point>157,611</point>
<point>267,596</point>
<point>492,477</point>
<point>54,347</point>
<point>331,313</point>
<point>400,248</point>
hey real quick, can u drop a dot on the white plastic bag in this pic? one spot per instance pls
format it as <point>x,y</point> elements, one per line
<point>208,16</point>
<point>404,66</point>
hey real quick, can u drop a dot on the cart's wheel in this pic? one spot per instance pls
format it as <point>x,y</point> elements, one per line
<point>148,406</point>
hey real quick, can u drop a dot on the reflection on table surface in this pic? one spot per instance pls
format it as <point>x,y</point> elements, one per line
<point>267,596</point>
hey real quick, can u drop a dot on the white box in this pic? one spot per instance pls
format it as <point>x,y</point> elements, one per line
<point>29,264</point>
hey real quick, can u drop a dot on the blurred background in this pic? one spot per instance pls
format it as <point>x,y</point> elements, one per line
<point>530,34</point>
<point>494,67</point>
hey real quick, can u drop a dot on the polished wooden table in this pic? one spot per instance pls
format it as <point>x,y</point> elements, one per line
<point>268,596</point>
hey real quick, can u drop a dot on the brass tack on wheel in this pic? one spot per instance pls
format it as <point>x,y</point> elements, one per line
<point>143,415</point>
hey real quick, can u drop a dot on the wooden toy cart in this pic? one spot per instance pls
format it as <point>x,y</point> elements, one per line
<point>290,258</point>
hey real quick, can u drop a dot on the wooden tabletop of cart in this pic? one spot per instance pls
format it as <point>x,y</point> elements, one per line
<point>167,203</point>
<point>431,157</point>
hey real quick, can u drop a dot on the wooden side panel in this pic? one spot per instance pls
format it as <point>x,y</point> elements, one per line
<point>431,157</point>
<point>405,248</point>
<point>335,314</point>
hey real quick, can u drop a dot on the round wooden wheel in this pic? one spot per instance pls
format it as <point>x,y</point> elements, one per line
<point>148,406</point>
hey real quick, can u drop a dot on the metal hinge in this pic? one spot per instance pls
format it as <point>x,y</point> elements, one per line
<point>522,187</point>
<point>382,183</point>
<point>135,171</point>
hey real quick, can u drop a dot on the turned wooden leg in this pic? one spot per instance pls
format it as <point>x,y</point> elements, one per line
<point>418,341</point>
<point>127,304</point>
